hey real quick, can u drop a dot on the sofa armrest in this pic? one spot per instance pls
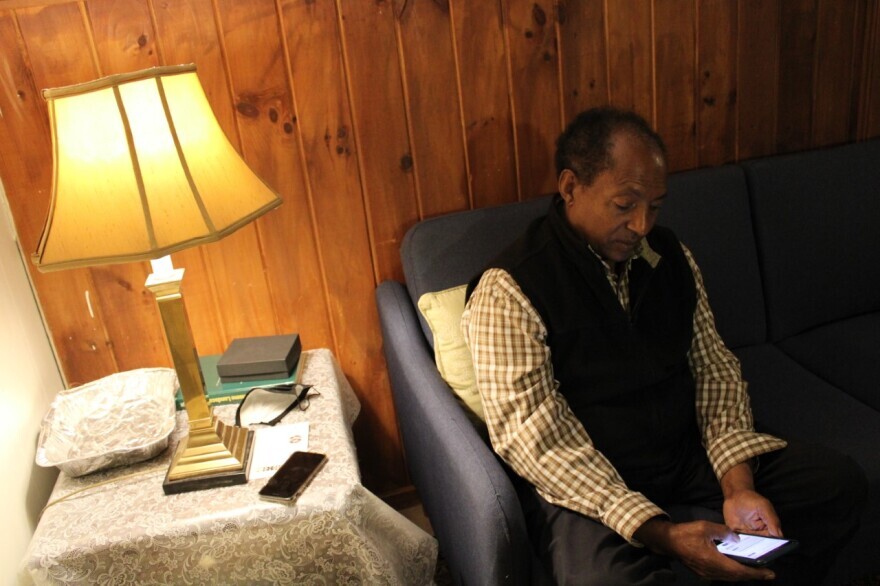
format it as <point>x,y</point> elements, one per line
<point>471,503</point>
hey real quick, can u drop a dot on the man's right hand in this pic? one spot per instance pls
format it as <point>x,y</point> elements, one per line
<point>694,544</point>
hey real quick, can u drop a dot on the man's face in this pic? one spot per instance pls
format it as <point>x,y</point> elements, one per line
<point>621,205</point>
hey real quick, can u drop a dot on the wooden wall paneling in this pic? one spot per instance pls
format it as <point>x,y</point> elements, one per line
<point>796,74</point>
<point>325,128</point>
<point>630,57</point>
<point>869,98</point>
<point>481,56</point>
<point>367,30</point>
<point>434,113</point>
<point>675,28</point>
<point>123,38</point>
<point>534,66</point>
<point>834,82</point>
<point>26,169</point>
<point>716,57</point>
<point>583,55</point>
<point>25,148</point>
<point>861,28</point>
<point>123,35</point>
<point>757,77</point>
<point>273,270</point>
<point>187,33</point>
<point>56,37</point>
<point>324,98</point>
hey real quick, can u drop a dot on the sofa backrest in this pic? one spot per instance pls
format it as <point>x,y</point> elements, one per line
<point>709,211</point>
<point>817,209</point>
<point>446,251</point>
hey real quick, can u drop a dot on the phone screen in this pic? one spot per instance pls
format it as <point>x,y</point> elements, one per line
<point>293,476</point>
<point>756,549</point>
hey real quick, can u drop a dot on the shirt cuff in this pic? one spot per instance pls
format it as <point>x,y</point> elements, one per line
<point>740,446</point>
<point>629,513</point>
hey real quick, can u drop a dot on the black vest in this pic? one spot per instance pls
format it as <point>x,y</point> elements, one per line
<point>625,375</point>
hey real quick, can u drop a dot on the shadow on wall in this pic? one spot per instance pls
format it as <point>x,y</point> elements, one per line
<point>40,485</point>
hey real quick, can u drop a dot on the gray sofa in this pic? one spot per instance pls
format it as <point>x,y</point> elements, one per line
<point>788,247</point>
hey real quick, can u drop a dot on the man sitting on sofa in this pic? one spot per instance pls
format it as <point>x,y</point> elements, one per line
<point>608,391</point>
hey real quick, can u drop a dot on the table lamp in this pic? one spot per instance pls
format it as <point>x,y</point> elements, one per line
<point>142,169</point>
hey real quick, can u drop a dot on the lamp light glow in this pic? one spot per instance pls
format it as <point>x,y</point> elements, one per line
<point>142,169</point>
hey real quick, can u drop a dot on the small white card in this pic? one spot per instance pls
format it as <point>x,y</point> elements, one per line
<point>273,445</point>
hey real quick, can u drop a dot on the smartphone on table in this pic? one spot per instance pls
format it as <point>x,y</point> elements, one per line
<point>293,476</point>
<point>756,550</point>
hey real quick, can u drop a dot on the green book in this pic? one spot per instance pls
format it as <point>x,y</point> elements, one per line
<point>220,393</point>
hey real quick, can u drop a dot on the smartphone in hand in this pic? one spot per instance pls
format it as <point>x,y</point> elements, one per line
<point>292,477</point>
<point>756,550</point>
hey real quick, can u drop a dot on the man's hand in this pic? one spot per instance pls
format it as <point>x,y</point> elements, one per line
<point>694,544</point>
<point>744,509</point>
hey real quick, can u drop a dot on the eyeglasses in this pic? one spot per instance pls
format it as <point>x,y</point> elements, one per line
<point>269,405</point>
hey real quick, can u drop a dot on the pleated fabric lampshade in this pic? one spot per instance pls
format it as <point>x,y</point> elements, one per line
<point>141,169</point>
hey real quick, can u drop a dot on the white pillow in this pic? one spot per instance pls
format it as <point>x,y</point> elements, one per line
<point>442,311</point>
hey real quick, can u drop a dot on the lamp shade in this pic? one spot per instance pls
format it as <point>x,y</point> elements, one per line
<point>141,169</point>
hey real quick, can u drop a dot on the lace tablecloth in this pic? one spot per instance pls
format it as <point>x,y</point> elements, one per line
<point>129,532</point>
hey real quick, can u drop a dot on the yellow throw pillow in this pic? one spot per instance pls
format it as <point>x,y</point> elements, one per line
<point>442,311</point>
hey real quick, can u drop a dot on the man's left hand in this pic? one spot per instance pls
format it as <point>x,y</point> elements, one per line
<point>744,509</point>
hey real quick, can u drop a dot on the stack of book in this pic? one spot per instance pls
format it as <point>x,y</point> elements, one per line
<point>247,363</point>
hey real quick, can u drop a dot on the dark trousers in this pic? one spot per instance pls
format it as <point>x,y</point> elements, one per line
<point>817,493</point>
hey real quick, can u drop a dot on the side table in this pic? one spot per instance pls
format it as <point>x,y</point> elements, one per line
<point>128,531</point>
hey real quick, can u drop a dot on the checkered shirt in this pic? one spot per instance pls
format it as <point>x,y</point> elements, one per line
<point>533,429</point>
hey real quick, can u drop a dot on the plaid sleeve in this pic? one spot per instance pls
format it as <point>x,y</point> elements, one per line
<point>724,412</point>
<point>530,423</point>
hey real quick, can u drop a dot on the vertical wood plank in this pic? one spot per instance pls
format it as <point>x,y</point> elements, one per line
<point>56,36</point>
<point>861,28</point>
<point>583,55</point>
<point>26,152</point>
<point>286,260</point>
<point>123,36</point>
<point>717,74</point>
<point>324,123</point>
<point>368,37</point>
<point>26,168</point>
<point>758,77</point>
<point>434,112</point>
<point>675,26</point>
<point>869,99</point>
<point>117,297</point>
<point>488,120</point>
<point>227,295</point>
<point>796,60</point>
<point>534,56</point>
<point>834,72</point>
<point>187,33</point>
<point>629,56</point>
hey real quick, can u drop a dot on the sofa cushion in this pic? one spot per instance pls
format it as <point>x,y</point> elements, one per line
<point>709,211</point>
<point>845,353</point>
<point>835,235</point>
<point>793,403</point>
<point>442,310</point>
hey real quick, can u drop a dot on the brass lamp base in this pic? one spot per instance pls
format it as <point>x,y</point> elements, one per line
<point>213,454</point>
<point>210,457</point>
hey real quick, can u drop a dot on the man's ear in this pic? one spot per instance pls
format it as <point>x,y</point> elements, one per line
<point>566,183</point>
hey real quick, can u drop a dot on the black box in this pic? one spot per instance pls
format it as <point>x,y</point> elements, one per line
<point>259,358</point>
